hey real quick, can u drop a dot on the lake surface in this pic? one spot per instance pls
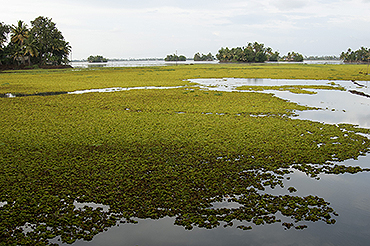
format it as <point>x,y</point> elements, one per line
<point>146,63</point>
<point>337,106</point>
<point>348,194</point>
<point>136,63</point>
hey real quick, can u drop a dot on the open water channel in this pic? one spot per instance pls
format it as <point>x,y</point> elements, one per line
<point>348,194</point>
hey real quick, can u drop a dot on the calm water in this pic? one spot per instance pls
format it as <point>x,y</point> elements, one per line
<point>348,194</point>
<point>133,63</point>
<point>337,106</point>
<point>163,63</point>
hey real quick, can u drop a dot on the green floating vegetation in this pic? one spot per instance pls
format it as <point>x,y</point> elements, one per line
<point>134,152</point>
<point>297,89</point>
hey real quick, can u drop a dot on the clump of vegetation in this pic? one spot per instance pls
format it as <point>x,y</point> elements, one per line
<point>175,57</point>
<point>361,55</point>
<point>41,44</point>
<point>97,58</point>
<point>292,57</point>
<point>253,52</point>
<point>297,89</point>
<point>203,57</point>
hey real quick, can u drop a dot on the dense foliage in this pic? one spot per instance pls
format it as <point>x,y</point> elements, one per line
<point>358,56</point>
<point>253,52</point>
<point>203,57</point>
<point>97,58</point>
<point>159,153</point>
<point>175,57</point>
<point>292,57</point>
<point>4,30</point>
<point>41,44</point>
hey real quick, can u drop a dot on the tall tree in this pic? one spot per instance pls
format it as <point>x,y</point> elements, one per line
<point>18,36</point>
<point>30,49</point>
<point>52,47</point>
<point>19,33</point>
<point>4,30</point>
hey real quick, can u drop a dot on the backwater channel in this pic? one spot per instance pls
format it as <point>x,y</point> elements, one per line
<point>348,194</point>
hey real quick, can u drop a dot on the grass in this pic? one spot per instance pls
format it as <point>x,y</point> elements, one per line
<point>134,151</point>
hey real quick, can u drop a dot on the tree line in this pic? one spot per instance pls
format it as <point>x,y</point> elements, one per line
<point>255,52</point>
<point>41,43</point>
<point>292,56</point>
<point>361,55</point>
<point>175,57</point>
<point>203,57</point>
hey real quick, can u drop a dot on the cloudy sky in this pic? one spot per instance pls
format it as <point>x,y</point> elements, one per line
<point>155,28</point>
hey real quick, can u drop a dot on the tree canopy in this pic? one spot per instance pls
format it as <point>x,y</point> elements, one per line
<point>97,58</point>
<point>175,57</point>
<point>203,57</point>
<point>292,57</point>
<point>361,55</point>
<point>253,52</point>
<point>41,43</point>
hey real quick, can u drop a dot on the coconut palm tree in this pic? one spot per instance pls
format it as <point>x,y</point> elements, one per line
<point>18,36</point>
<point>30,49</point>
<point>19,33</point>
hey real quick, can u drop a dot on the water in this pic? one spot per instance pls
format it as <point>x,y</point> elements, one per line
<point>348,194</point>
<point>160,62</point>
<point>336,106</point>
<point>136,63</point>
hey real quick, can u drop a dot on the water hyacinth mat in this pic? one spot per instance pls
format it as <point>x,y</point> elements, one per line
<point>161,153</point>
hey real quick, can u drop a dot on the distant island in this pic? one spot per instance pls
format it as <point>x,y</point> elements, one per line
<point>97,58</point>
<point>252,53</point>
<point>292,57</point>
<point>175,57</point>
<point>361,55</point>
<point>203,57</point>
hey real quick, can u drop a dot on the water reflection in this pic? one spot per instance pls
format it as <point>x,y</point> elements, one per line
<point>349,193</point>
<point>337,106</point>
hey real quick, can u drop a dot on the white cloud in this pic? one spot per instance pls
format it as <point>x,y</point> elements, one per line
<point>156,28</point>
<point>289,4</point>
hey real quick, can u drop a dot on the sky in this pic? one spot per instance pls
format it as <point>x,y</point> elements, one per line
<point>155,28</point>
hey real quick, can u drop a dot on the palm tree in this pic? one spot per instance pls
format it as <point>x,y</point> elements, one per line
<point>30,49</point>
<point>19,33</point>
